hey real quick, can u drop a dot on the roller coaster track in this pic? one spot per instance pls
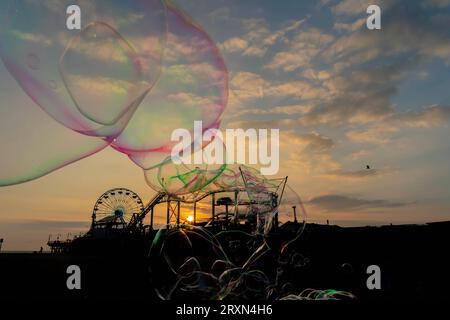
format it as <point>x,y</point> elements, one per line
<point>136,219</point>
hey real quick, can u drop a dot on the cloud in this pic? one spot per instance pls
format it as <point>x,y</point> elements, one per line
<point>248,80</point>
<point>429,117</point>
<point>295,89</point>
<point>256,29</point>
<point>291,61</point>
<point>361,97</point>
<point>189,99</point>
<point>235,44</point>
<point>316,75</point>
<point>400,34</point>
<point>308,153</point>
<point>359,154</point>
<point>437,3</point>
<point>277,110</point>
<point>258,37</point>
<point>358,7</point>
<point>356,94</point>
<point>129,19</point>
<point>280,34</point>
<point>242,46</point>
<point>339,203</point>
<point>313,141</point>
<point>255,51</point>
<point>102,86</point>
<point>358,174</point>
<point>220,14</point>
<point>303,48</point>
<point>339,81</point>
<point>350,7</point>
<point>350,27</point>
<point>381,132</point>
<point>34,38</point>
<point>245,87</point>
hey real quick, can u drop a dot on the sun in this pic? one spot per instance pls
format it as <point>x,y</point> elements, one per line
<point>190,219</point>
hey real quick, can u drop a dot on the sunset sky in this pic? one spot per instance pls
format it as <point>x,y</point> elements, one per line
<point>342,96</point>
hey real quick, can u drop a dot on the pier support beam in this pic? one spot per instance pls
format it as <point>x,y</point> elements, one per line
<point>168,213</point>
<point>178,212</point>
<point>195,212</point>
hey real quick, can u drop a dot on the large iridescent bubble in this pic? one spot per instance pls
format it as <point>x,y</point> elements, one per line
<point>135,71</point>
<point>193,86</point>
<point>90,80</point>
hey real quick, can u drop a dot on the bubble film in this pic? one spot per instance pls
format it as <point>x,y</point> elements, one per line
<point>33,144</point>
<point>135,71</point>
<point>103,88</point>
<point>177,175</point>
<point>193,86</point>
<point>90,80</point>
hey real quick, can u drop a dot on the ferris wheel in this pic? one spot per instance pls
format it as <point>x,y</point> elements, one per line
<point>117,206</point>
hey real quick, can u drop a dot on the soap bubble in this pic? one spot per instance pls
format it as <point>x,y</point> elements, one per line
<point>181,175</point>
<point>105,87</point>
<point>31,47</point>
<point>193,86</point>
<point>32,143</point>
<point>92,87</point>
<point>135,71</point>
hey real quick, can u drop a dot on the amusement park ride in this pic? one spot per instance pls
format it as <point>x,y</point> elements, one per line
<point>119,214</point>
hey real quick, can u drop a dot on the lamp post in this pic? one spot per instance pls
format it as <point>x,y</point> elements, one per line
<point>295,213</point>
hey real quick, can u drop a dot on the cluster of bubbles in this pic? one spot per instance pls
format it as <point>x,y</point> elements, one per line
<point>192,183</point>
<point>190,262</point>
<point>137,70</point>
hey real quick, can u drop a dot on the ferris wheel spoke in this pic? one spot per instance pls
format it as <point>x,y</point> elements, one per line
<point>108,204</point>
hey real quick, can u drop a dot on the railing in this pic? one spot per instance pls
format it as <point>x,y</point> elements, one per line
<point>64,238</point>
